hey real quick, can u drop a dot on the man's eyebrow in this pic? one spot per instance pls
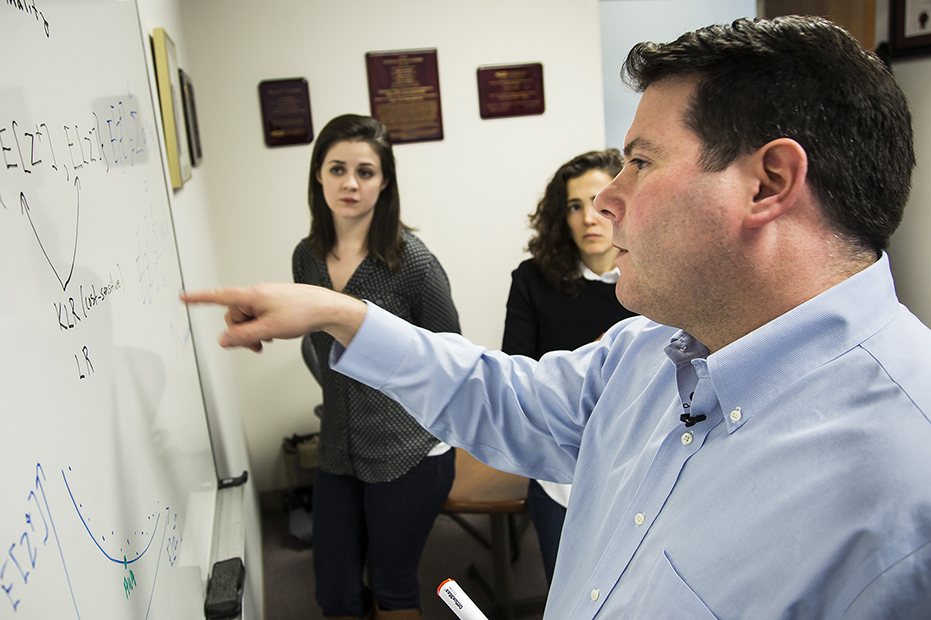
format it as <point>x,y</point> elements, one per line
<point>642,144</point>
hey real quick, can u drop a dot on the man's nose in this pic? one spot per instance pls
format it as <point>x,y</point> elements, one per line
<point>608,202</point>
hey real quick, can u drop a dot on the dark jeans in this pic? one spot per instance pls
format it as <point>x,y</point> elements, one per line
<point>548,517</point>
<point>383,525</point>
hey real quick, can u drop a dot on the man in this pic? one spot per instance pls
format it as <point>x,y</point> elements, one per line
<point>757,446</point>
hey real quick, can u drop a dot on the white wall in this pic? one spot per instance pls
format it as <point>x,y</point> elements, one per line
<point>624,23</point>
<point>910,251</point>
<point>468,194</point>
<point>193,229</point>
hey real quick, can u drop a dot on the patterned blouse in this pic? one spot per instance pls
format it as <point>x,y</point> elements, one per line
<point>363,433</point>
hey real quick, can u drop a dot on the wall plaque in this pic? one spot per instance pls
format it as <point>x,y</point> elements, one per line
<point>286,112</point>
<point>510,90</point>
<point>404,93</point>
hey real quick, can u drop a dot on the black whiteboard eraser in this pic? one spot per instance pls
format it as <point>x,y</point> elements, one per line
<point>224,590</point>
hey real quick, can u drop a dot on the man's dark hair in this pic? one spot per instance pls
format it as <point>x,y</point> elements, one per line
<point>803,78</point>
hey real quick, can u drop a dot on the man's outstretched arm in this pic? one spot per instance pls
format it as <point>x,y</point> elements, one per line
<point>263,312</point>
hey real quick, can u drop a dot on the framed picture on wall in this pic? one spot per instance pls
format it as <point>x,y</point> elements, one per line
<point>170,100</point>
<point>910,27</point>
<point>190,117</point>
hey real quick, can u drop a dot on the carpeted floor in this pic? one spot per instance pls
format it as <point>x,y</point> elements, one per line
<point>289,573</point>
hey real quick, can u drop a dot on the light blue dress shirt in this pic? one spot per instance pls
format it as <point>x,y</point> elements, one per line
<point>804,493</point>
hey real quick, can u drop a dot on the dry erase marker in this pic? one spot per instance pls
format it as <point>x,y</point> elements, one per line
<point>457,600</point>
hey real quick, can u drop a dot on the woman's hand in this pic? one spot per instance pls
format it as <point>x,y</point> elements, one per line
<point>263,312</point>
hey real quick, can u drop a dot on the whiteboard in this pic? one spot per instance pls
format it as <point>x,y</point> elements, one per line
<point>108,485</point>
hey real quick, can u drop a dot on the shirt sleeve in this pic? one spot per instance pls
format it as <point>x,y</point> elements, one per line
<point>521,325</point>
<point>513,413</point>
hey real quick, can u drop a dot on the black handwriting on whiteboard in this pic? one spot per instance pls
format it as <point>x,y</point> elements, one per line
<point>30,9</point>
<point>24,207</point>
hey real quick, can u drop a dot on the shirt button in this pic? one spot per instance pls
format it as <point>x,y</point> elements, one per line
<point>735,415</point>
<point>686,439</point>
<point>639,518</point>
<point>595,595</point>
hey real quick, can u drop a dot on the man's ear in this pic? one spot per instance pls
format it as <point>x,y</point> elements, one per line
<point>781,169</point>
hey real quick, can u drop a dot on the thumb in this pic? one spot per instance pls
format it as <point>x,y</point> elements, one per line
<point>248,335</point>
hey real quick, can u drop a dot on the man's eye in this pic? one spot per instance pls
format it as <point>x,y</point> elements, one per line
<point>639,163</point>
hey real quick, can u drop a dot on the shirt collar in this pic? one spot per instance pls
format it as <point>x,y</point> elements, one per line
<point>749,372</point>
<point>609,277</point>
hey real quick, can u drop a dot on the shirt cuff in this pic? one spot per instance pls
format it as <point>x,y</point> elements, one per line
<point>376,349</point>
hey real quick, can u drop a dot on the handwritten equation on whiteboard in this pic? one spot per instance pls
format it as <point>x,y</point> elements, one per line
<point>31,150</point>
<point>52,175</point>
<point>37,548</point>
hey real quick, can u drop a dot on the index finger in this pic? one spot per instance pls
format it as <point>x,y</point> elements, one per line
<point>220,296</point>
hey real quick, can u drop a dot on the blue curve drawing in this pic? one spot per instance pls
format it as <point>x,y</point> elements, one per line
<point>94,538</point>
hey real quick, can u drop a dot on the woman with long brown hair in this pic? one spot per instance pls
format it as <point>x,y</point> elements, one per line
<point>382,478</point>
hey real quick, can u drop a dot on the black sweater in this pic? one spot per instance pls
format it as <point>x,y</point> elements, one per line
<point>540,319</point>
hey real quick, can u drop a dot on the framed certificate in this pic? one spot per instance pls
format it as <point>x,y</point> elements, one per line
<point>510,90</point>
<point>404,94</point>
<point>286,112</point>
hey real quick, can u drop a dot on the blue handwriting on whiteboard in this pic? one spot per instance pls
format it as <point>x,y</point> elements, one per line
<point>23,555</point>
<point>107,555</point>
<point>26,554</point>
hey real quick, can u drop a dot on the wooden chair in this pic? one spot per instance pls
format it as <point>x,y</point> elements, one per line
<point>480,489</point>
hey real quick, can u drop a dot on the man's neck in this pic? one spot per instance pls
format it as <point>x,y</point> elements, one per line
<point>776,293</point>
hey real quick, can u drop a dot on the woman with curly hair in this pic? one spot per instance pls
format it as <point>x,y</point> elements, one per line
<point>564,297</point>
